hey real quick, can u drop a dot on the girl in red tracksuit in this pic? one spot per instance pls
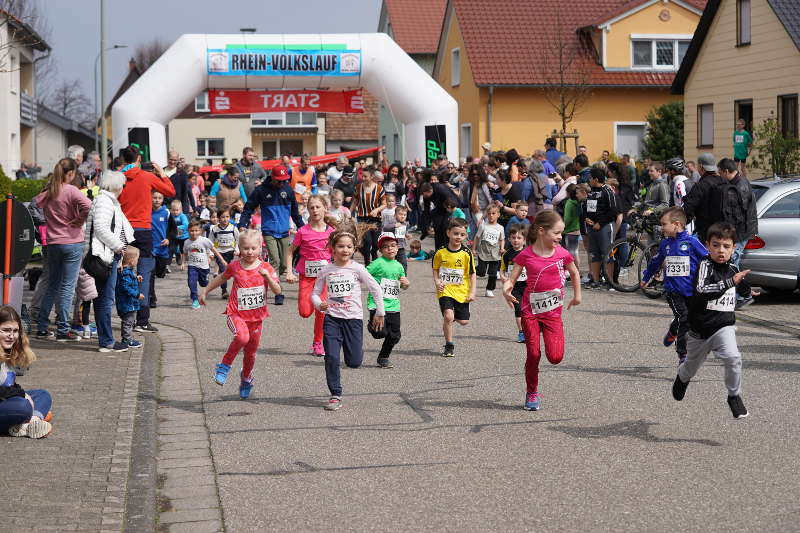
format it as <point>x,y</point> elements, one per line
<point>247,306</point>
<point>312,242</point>
<point>545,262</point>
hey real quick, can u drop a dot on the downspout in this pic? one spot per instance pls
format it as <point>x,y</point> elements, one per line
<point>489,114</point>
<point>36,103</point>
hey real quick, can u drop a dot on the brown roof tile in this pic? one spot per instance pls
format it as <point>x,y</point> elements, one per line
<point>416,24</point>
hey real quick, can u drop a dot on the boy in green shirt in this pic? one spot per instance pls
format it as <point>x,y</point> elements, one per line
<point>391,276</point>
<point>742,140</point>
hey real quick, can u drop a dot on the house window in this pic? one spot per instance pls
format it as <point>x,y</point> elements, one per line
<point>279,147</point>
<point>201,103</point>
<point>742,22</point>
<point>289,118</point>
<point>705,125</point>
<point>787,114</point>
<point>383,141</point>
<point>455,67</point>
<point>660,54</point>
<point>466,140</point>
<point>210,147</point>
<point>396,145</point>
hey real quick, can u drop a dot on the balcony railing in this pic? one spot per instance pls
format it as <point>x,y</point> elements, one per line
<point>27,110</point>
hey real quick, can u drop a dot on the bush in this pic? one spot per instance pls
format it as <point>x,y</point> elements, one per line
<point>5,184</point>
<point>775,153</point>
<point>664,137</point>
<point>25,190</point>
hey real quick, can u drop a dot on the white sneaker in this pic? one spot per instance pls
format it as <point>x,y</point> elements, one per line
<point>489,294</point>
<point>35,429</point>
<point>87,332</point>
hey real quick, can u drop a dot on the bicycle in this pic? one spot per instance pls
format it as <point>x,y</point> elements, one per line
<point>631,254</point>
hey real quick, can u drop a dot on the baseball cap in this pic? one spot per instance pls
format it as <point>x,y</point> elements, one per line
<point>279,173</point>
<point>707,161</point>
<point>386,237</point>
<point>348,171</point>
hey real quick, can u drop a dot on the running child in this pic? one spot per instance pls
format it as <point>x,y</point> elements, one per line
<point>225,236</point>
<point>712,317</point>
<point>163,229</point>
<point>343,325</point>
<point>311,242</point>
<point>488,245</point>
<point>399,228</point>
<point>127,296</point>
<point>545,263</point>
<point>680,253</point>
<point>196,250</point>
<point>337,209</point>
<point>454,279</point>
<point>516,239</point>
<point>247,307</point>
<point>182,223</point>
<point>391,276</point>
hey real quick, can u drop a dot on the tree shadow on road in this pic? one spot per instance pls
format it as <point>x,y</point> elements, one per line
<point>637,429</point>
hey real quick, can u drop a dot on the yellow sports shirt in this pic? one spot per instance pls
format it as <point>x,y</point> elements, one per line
<point>455,269</point>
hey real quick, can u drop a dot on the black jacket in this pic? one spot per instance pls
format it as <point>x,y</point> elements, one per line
<point>700,206</point>
<point>714,287</point>
<point>605,207</point>
<point>740,209</point>
<point>183,191</point>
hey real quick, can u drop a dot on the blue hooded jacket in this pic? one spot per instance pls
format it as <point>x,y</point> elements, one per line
<point>127,291</point>
<point>277,206</point>
<point>682,245</point>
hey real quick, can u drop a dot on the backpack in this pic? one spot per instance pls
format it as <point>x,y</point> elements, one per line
<point>727,198</point>
<point>538,195</point>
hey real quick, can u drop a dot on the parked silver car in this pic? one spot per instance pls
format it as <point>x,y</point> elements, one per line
<point>773,255</point>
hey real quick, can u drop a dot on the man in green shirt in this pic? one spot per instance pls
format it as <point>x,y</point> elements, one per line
<point>391,276</point>
<point>742,140</point>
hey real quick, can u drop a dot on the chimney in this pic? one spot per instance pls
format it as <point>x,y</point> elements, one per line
<point>132,64</point>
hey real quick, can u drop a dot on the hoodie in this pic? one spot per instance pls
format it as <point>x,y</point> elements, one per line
<point>136,198</point>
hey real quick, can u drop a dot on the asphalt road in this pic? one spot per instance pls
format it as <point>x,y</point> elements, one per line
<point>439,444</point>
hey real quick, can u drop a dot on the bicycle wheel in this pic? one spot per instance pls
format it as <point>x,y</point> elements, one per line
<point>624,255</point>
<point>656,287</point>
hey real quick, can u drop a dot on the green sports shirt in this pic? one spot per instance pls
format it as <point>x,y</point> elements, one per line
<point>387,273</point>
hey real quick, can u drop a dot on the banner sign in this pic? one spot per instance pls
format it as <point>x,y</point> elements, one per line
<point>435,143</point>
<point>224,102</point>
<point>275,61</point>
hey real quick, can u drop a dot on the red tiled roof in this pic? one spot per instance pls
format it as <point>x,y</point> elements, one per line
<point>627,6</point>
<point>522,50</point>
<point>416,24</point>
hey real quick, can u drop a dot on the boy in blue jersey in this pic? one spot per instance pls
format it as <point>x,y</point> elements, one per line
<point>680,253</point>
<point>163,228</point>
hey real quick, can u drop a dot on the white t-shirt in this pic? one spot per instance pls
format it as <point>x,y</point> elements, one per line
<point>197,252</point>
<point>678,190</point>
<point>333,175</point>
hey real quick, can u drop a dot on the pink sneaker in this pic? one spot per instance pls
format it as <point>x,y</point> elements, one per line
<point>317,349</point>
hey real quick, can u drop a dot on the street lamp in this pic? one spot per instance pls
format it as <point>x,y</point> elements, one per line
<point>96,113</point>
<point>247,30</point>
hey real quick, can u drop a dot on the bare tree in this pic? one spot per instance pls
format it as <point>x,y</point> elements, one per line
<point>15,16</point>
<point>565,68</point>
<point>148,53</point>
<point>69,100</point>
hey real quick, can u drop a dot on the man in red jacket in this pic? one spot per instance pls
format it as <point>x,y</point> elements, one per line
<point>136,202</point>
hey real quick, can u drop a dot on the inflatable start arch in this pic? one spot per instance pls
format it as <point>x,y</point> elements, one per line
<point>335,61</point>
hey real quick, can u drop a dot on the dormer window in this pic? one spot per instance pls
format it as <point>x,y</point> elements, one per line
<point>658,53</point>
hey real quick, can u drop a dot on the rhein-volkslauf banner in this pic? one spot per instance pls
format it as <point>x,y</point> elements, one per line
<point>269,60</point>
<point>225,102</point>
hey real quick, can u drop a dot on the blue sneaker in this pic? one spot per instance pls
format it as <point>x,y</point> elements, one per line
<point>279,299</point>
<point>245,387</point>
<point>521,337</point>
<point>222,373</point>
<point>669,339</point>
<point>195,304</point>
<point>532,401</point>
<point>133,343</point>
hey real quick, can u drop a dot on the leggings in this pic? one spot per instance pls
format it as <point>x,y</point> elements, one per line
<point>246,335</point>
<point>305,307</point>
<point>552,330</point>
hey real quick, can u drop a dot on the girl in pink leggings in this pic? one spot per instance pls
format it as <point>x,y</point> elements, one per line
<point>247,307</point>
<point>545,262</point>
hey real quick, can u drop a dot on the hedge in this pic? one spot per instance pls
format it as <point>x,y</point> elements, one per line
<point>24,190</point>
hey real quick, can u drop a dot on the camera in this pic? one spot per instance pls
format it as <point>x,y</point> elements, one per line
<point>148,166</point>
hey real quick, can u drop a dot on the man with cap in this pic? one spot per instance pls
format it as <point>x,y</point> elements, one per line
<point>278,205</point>
<point>347,184</point>
<point>699,204</point>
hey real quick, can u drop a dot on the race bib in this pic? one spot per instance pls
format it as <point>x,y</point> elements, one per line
<point>491,236</point>
<point>400,232</point>
<point>313,267</point>
<point>340,286</point>
<point>451,276</point>
<point>542,302</point>
<point>249,298</point>
<point>523,276</point>
<point>677,266</point>
<point>224,240</point>
<point>196,258</point>
<point>390,289</point>
<point>739,139</point>
<point>299,188</point>
<point>591,206</point>
<point>725,303</point>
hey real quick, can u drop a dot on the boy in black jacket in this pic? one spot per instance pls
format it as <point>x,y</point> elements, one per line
<point>712,317</point>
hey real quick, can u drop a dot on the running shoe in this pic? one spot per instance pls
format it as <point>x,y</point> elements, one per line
<point>317,349</point>
<point>221,373</point>
<point>45,335</point>
<point>489,294</point>
<point>449,350</point>
<point>279,299</point>
<point>35,429</point>
<point>741,304</point>
<point>67,337</point>
<point>681,359</point>
<point>133,343</point>
<point>737,407</point>
<point>147,328</point>
<point>245,386</point>
<point>334,403</point>
<point>532,401</point>
<point>384,362</point>
<point>195,304</point>
<point>679,389</point>
<point>521,337</point>
<point>224,295</point>
<point>669,338</point>
<point>116,347</point>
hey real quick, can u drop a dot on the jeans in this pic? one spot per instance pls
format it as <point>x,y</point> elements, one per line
<point>194,276</point>
<point>143,240</point>
<point>19,410</point>
<point>103,305</point>
<point>64,262</point>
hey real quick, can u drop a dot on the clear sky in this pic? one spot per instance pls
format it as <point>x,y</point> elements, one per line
<point>76,26</point>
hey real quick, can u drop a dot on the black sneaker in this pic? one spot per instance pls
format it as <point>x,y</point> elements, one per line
<point>147,328</point>
<point>737,407</point>
<point>153,304</point>
<point>117,347</point>
<point>385,363</point>
<point>69,336</point>
<point>449,350</point>
<point>45,335</point>
<point>679,388</point>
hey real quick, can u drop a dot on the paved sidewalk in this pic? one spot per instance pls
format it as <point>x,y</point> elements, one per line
<point>74,480</point>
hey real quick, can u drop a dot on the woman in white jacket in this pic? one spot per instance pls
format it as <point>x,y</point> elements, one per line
<point>109,231</point>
